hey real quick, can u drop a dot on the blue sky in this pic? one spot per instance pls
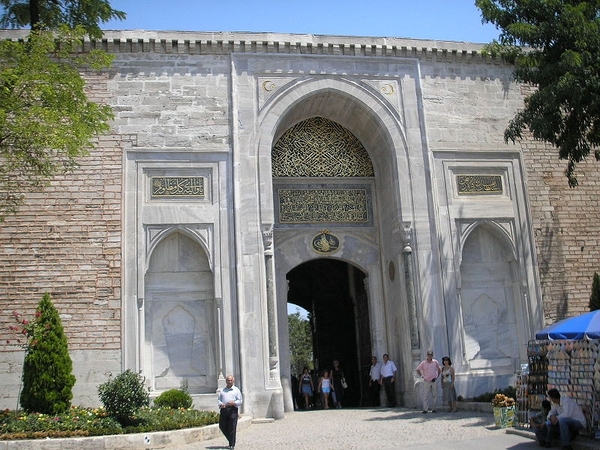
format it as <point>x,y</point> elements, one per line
<point>450,20</point>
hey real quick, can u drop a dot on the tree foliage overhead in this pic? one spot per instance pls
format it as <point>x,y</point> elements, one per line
<point>301,346</point>
<point>554,45</point>
<point>595,294</point>
<point>51,14</point>
<point>46,119</point>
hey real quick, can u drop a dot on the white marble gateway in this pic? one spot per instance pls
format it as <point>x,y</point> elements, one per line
<point>436,240</point>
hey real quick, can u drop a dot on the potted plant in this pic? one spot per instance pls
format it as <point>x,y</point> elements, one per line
<point>504,410</point>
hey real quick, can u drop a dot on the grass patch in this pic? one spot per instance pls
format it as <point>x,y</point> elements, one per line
<point>80,422</point>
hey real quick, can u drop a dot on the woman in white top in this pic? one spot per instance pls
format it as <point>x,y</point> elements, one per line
<point>325,388</point>
<point>448,390</point>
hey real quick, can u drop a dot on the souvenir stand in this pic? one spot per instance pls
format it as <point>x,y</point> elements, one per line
<point>533,381</point>
<point>565,356</point>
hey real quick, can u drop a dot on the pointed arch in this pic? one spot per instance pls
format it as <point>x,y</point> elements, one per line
<point>179,315</point>
<point>490,300</point>
<point>201,235</point>
<point>500,230</point>
<point>354,106</point>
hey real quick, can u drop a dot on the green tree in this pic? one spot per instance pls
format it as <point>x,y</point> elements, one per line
<point>47,370</point>
<point>51,14</point>
<point>595,295</point>
<point>46,119</point>
<point>301,347</point>
<point>554,45</point>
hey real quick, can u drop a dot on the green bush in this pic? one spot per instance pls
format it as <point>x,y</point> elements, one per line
<point>47,370</point>
<point>174,399</point>
<point>510,391</point>
<point>123,395</point>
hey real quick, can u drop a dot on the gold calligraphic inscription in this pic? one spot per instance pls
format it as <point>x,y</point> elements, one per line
<point>479,184</point>
<point>178,186</point>
<point>319,147</point>
<point>323,205</point>
<point>325,242</point>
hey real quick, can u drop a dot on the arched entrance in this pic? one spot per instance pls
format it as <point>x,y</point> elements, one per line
<point>333,166</point>
<point>333,291</point>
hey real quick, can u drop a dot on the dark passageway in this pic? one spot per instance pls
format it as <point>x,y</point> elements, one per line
<point>333,293</point>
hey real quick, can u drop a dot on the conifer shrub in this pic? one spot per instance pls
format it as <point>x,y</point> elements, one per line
<point>595,295</point>
<point>174,399</point>
<point>47,369</point>
<point>123,395</point>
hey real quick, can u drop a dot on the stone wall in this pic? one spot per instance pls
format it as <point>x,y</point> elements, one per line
<point>66,241</point>
<point>566,228</point>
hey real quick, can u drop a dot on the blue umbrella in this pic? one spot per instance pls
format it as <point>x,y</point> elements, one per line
<point>575,328</point>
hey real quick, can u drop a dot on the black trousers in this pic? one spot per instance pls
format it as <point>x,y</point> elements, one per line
<point>374,388</point>
<point>390,391</point>
<point>228,423</point>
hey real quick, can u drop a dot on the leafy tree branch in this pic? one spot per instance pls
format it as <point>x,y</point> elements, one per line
<point>555,46</point>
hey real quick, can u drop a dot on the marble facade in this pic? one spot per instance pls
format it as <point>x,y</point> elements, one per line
<point>442,240</point>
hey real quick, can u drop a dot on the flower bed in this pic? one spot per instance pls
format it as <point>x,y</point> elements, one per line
<point>79,422</point>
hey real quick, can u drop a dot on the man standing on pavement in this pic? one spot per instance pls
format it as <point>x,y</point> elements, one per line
<point>374,377</point>
<point>566,418</point>
<point>229,400</point>
<point>429,370</point>
<point>388,380</point>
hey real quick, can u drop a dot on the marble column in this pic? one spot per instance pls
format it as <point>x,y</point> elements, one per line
<point>271,306</point>
<point>410,296</point>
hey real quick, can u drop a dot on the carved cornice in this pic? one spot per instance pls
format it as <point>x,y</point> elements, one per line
<point>207,43</point>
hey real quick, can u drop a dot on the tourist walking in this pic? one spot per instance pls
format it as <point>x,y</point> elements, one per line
<point>229,401</point>
<point>429,370</point>
<point>338,383</point>
<point>388,380</point>
<point>306,387</point>
<point>374,378</point>
<point>448,389</point>
<point>325,388</point>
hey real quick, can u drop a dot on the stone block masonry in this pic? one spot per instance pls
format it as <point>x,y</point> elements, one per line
<point>66,241</point>
<point>566,228</point>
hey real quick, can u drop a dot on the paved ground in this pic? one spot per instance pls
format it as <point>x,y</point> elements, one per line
<point>377,429</point>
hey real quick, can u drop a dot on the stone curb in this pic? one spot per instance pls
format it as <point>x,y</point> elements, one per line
<point>160,439</point>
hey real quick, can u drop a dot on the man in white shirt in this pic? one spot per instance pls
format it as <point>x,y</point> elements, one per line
<point>374,377</point>
<point>388,380</point>
<point>566,418</point>
<point>229,401</point>
<point>429,370</point>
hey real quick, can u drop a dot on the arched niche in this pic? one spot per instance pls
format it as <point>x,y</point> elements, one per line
<point>489,299</point>
<point>179,317</point>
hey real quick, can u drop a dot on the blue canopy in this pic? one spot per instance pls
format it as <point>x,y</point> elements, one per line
<point>574,328</point>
